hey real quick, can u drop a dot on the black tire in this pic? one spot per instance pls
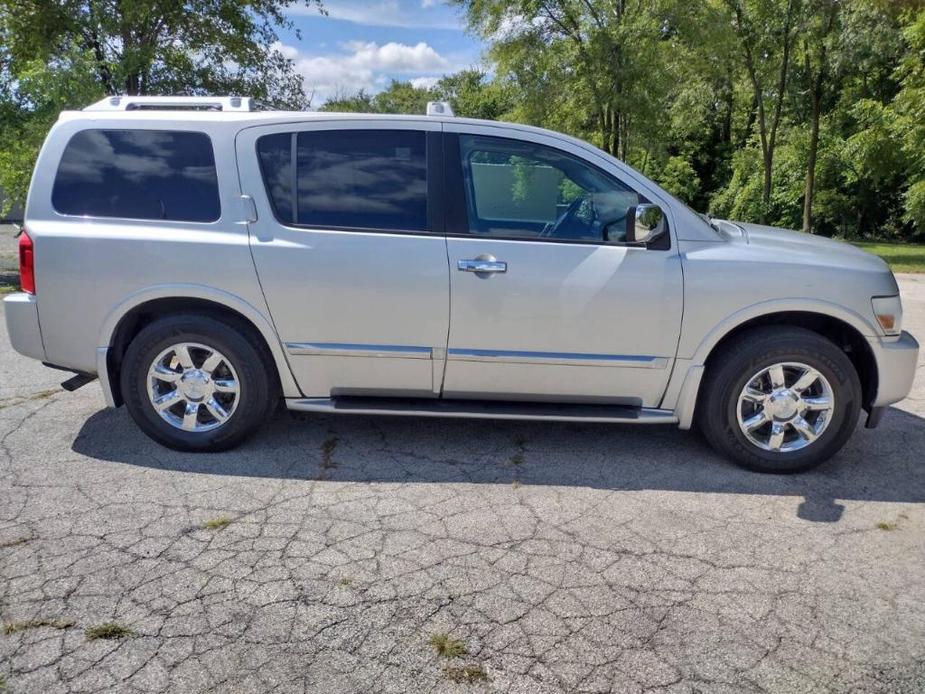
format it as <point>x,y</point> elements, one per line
<point>244,351</point>
<point>736,362</point>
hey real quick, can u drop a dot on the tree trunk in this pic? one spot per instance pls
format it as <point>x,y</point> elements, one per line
<point>818,88</point>
<point>809,188</point>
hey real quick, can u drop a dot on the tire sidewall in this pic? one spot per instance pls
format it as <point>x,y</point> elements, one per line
<point>826,358</point>
<point>244,358</point>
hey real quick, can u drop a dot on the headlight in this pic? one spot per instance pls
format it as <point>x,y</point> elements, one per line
<point>889,313</point>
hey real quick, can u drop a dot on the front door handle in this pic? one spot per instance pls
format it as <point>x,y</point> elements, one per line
<point>483,264</point>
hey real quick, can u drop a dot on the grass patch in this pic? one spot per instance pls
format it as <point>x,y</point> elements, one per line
<point>901,257</point>
<point>16,627</point>
<point>468,674</point>
<point>109,631</point>
<point>8,288</point>
<point>446,646</point>
<point>3,689</point>
<point>216,523</point>
<point>883,525</point>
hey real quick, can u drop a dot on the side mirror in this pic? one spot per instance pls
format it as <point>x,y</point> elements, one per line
<point>644,223</point>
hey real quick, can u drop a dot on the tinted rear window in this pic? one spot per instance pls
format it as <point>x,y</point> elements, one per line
<point>371,179</point>
<point>138,174</point>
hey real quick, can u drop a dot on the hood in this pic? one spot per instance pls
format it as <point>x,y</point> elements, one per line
<point>788,246</point>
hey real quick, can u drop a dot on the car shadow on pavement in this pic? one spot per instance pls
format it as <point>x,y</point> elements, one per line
<point>886,464</point>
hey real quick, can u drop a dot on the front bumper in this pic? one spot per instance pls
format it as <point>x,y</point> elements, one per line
<point>896,364</point>
<point>22,325</point>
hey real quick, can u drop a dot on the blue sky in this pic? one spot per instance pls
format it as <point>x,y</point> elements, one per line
<point>362,44</point>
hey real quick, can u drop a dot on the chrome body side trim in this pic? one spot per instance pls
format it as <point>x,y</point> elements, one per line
<point>560,358</point>
<point>346,349</point>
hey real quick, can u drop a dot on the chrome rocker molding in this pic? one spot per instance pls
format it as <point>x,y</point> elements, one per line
<point>482,409</point>
<point>480,355</point>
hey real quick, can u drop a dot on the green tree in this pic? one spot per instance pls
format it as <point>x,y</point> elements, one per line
<point>157,47</point>
<point>766,30</point>
<point>65,54</point>
<point>597,68</point>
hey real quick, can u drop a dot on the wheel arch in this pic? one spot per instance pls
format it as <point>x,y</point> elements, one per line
<point>124,322</point>
<point>847,331</point>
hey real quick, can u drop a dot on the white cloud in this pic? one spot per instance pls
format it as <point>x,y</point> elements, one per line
<point>387,13</point>
<point>395,57</point>
<point>290,52</point>
<point>364,65</point>
<point>424,82</point>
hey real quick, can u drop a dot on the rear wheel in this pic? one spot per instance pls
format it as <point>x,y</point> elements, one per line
<point>779,399</point>
<point>196,383</point>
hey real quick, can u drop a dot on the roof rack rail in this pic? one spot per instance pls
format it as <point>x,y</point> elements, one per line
<point>174,103</point>
<point>439,108</point>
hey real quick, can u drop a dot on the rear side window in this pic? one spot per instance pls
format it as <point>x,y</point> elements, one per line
<point>369,179</point>
<point>138,174</point>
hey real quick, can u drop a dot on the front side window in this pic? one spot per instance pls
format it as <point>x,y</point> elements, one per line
<point>138,174</point>
<point>518,189</point>
<point>369,179</point>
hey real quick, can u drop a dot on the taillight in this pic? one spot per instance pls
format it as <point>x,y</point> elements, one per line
<point>26,263</point>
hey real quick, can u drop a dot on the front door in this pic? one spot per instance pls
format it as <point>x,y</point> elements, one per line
<point>350,253</point>
<point>547,303</point>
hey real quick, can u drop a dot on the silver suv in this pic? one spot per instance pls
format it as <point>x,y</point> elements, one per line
<point>204,259</point>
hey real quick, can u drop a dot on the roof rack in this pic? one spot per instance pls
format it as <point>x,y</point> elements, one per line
<point>174,103</point>
<point>439,108</point>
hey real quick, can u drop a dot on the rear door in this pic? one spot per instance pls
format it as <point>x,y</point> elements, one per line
<point>349,249</point>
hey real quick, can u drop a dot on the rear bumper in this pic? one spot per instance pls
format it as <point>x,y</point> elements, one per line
<point>22,325</point>
<point>896,364</point>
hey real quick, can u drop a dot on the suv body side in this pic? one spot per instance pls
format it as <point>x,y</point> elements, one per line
<point>92,272</point>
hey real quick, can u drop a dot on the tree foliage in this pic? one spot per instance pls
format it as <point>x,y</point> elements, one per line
<point>68,53</point>
<point>801,113</point>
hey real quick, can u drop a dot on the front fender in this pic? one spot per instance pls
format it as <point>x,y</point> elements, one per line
<point>684,386</point>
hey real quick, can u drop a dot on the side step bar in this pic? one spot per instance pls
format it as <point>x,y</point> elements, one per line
<point>483,409</point>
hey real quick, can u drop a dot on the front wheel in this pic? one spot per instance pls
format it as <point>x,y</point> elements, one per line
<point>195,383</point>
<point>779,399</point>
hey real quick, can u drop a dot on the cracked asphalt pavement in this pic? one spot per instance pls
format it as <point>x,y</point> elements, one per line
<point>326,553</point>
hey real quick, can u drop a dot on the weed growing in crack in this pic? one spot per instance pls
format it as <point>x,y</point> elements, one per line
<point>14,543</point>
<point>327,452</point>
<point>3,689</point>
<point>468,674</point>
<point>446,646</point>
<point>14,627</point>
<point>109,630</point>
<point>344,581</point>
<point>216,523</point>
<point>883,525</point>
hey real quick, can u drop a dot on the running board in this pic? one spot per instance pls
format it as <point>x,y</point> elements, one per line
<point>484,409</point>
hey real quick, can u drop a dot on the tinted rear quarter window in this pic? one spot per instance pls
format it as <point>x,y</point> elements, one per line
<point>138,174</point>
<point>369,179</point>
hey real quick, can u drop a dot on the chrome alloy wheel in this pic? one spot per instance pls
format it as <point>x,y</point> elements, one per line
<point>785,407</point>
<point>193,387</point>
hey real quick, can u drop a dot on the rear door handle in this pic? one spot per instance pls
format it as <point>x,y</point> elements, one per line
<point>482,264</point>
